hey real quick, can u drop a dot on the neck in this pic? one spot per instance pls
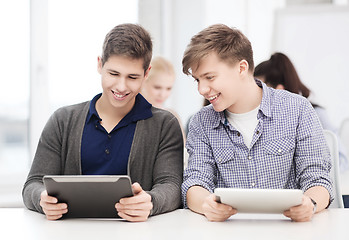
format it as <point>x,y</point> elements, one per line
<point>108,112</point>
<point>250,97</point>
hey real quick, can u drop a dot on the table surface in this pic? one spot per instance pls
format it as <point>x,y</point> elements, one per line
<point>20,223</point>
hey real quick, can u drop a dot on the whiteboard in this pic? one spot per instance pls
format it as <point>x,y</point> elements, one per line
<point>317,41</point>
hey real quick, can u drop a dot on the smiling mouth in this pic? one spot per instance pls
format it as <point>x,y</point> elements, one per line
<point>212,98</point>
<point>118,95</point>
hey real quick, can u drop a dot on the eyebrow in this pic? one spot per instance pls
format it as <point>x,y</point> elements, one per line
<point>131,74</point>
<point>204,74</point>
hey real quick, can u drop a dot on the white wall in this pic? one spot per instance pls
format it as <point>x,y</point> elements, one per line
<point>316,39</point>
<point>178,20</point>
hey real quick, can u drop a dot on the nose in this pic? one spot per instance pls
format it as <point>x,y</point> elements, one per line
<point>203,88</point>
<point>164,94</point>
<point>120,85</point>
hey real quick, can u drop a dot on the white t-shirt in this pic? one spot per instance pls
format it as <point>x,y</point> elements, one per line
<point>245,123</point>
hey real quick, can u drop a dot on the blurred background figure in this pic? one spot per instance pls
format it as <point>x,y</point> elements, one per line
<point>279,72</point>
<point>158,87</point>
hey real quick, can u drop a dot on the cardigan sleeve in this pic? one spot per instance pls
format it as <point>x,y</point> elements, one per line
<point>46,161</point>
<point>156,160</point>
<point>58,151</point>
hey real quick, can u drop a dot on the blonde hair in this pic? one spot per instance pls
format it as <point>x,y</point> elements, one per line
<point>160,65</point>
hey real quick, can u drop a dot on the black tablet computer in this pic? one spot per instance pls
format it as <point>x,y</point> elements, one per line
<point>89,196</point>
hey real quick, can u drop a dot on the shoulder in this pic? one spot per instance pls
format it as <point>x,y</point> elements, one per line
<point>207,118</point>
<point>161,123</point>
<point>207,115</point>
<point>72,109</point>
<point>284,95</point>
<point>75,111</point>
<point>160,115</point>
<point>289,101</point>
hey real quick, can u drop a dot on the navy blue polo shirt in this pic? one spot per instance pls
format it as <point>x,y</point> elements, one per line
<point>104,153</point>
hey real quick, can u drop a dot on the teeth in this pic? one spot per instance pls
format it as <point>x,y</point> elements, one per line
<point>119,95</point>
<point>213,97</point>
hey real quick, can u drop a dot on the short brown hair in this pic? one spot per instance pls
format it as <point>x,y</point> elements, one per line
<point>129,40</point>
<point>229,44</point>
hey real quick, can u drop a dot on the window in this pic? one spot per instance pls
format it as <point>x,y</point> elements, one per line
<point>76,33</point>
<point>14,98</point>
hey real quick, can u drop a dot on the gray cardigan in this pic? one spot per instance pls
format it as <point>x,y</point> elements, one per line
<point>155,160</point>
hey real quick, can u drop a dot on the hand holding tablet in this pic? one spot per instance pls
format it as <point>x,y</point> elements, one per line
<point>259,200</point>
<point>89,196</point>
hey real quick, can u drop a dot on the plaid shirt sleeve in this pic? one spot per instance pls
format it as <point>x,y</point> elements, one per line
<point>312,156</point>
<point>201,168</point>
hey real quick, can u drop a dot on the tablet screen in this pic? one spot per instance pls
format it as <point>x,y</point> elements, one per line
<point>92,196</point>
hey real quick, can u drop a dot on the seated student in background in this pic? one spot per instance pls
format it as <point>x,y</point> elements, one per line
<point>279,72</point>
<point>158,86</point>
<point>251,136</point>
<point>116,133</point>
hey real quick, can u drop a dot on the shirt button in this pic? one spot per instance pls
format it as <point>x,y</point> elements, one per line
<point>249,157</point>
<point>96,126</point>
<point>238,134</point>
<point>219,160</point>
<point>257,132</point>
<point>109,136</point>
<point>279,150</point>
<point>253,184</point>
<point>107,151</point>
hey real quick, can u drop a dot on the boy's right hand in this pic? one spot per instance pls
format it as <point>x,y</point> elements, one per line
<point>215,211</point>
<point>51,208</point>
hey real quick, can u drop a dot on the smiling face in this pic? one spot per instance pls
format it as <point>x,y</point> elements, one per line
<point>122,79</point>
<point>158,88</point>
<point>219,82</point>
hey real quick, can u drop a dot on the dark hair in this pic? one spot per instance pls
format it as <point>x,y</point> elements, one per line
<point>229,44</point>
<point>128,40</point>
<point>280,70</point>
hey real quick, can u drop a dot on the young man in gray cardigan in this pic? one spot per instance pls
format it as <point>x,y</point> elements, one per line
<point>116,133</point>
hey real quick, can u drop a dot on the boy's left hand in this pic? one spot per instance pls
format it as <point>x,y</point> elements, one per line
<point>136,208</point>
<point>302,212</point>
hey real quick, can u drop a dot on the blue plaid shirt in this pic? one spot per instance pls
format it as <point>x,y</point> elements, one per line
<point>288,149</point>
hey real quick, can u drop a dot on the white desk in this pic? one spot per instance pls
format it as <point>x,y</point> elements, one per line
<point>19,223</point>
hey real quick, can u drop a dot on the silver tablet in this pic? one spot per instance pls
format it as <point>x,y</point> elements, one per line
<point>89,196</point>
<point>259,200</point>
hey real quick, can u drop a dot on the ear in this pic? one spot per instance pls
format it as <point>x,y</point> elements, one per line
<point>280,86</point>
<point>147,72</point>
<point>243,64</point>
<point>99,65</point>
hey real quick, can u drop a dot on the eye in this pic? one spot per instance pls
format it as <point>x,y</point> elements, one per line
<point>209,77</point>
<point>133,77</point>
<point>113,74</point>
